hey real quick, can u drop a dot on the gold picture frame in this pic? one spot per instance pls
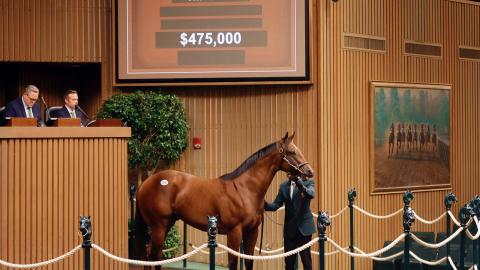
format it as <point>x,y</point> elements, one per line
<point>410,137</point>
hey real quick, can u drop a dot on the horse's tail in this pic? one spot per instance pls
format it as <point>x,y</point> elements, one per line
<point>141,235</point>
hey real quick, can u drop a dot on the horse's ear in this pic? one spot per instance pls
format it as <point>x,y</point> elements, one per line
<point>284,139</point>
<point>290,139</point>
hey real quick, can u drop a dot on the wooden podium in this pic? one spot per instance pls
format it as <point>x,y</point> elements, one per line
<point>21,122</point>
<point>67,122</point>
<point>49,176</point>
<point>106,123</point>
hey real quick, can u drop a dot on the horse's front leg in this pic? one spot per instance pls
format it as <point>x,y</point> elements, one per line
<point>233,241</point>
<point>249,241</point>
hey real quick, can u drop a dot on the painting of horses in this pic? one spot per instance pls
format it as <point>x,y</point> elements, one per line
<point>410,144</point>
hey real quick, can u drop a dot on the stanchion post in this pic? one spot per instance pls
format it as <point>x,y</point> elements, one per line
<point>86,230</point>
<point>212,239</point>
<point>450,199</point>
<point>464,215</point>
<point>475,205</point>
<point>352,195</point>
<point>184,243</point>
<point>131,226</point>
<point>323,221</point>
<point>408,219</point>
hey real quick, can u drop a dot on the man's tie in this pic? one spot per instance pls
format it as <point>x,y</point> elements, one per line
<point>72,114</point>
<point>29,112</point>
<point>292,188</point>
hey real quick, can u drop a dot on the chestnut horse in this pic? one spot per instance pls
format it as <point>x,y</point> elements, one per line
<point>236,198</point>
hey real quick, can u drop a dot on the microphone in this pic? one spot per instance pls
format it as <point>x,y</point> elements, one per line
<point>84,113</point>
<point>44,103</point>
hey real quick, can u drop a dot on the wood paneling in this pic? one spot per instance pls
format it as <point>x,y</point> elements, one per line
<point>48,180</point>
<point>234,123</point>
<point>66,31</point>
<point>344,107</point>
<point>331,116</point>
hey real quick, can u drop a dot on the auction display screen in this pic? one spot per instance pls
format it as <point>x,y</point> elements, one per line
<point>212,40</point>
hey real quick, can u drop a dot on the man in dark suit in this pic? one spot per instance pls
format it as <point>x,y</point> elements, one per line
<point>71,108</point>
<point>298,224</point>
<point>26,105</point>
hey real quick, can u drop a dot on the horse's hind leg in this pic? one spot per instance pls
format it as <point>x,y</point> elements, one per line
<point>158,238</point>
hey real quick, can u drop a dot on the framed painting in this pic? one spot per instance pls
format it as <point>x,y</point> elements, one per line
<point>410,137</point>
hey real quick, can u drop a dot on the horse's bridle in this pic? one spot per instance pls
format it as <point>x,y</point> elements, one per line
<point>284,156</point>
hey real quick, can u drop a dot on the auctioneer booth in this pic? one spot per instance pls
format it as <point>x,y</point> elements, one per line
<point>48,178</point>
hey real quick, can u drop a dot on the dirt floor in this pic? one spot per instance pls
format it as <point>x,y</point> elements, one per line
<point>408,168</point>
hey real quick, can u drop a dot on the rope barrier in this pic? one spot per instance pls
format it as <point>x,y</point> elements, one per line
<point>429,245</point>
<point>452,216</point>
<point>474,237</point>
<point>268,257</point>
<point>377,216</point>
<point>339,213</point>
<point>381,259</point>
<point>207,252</point>
<point>419,218</point>
<point>454,267</point>
<point>427,262</point>
<point>170,249</point>
<point>40,264</point>
<point>145,263</point>
<point>269,251</point>
<point>327,253</point>
<point>368,255</point>
<point>314,215</point>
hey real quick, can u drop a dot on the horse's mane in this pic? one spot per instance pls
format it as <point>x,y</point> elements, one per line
<point>249,162</point>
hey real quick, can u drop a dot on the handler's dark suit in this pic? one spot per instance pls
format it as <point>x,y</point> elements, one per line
<point>65,113</point>
<point>15,108</point>
<point>298,225</point>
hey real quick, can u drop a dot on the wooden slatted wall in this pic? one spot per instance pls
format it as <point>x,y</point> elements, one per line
<point>67,31</point>
<point>344,95</point>
<point>234,123</point>
<point>331,116</point>
<point>46,184</point>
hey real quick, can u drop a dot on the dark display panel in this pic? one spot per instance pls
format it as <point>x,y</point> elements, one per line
<point>212,40</point>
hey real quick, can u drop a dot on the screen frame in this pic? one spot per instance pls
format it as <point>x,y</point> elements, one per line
<point>213,81</point>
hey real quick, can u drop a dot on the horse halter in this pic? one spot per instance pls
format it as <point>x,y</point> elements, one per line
<point>298,167</point>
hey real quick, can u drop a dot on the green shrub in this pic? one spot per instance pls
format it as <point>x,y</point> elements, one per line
<point>159,126</point>
<point>159,135</point>
<point>172,241</point>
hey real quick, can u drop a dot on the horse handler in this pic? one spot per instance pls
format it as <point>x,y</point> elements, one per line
<point>298,224</point>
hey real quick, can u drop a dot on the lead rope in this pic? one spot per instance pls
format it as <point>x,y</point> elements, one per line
<point>261,235</point>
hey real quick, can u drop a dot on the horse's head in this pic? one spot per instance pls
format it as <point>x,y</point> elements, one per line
<point>352,194</point>
<point>475,205</point>
<point>407,198</point>
<point>323,221</point>
<point>465,213</point>
<point>449,200</point>
<point>86,227</point>
<point>293,160</point>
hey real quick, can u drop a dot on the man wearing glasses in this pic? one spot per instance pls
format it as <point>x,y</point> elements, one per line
<point>26,105</point>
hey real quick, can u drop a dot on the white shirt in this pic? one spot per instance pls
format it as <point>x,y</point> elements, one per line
<point>70,112</point>
<point>25,107</point>
<point>292,188</point>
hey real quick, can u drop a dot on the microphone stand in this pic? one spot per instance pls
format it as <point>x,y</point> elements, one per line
<point>84,113</point>
<point>45,118</point>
